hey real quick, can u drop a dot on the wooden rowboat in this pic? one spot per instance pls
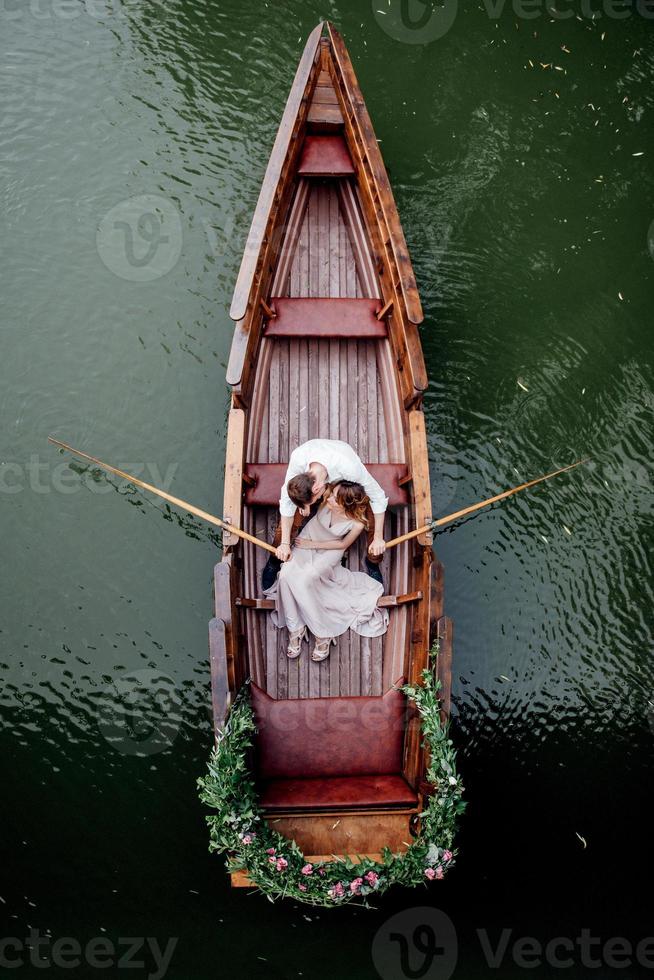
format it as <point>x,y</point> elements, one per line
<point>326,343</point>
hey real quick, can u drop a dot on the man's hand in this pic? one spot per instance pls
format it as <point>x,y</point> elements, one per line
<point>377,546</point>
<point>283,552</point>
<point>306,510</point>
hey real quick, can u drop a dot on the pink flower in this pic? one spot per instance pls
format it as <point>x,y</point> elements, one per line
<point>447,856</point>
<point>337,891</point>
<point>271,850</point>
<point>272,860</point>
<point>355,886</point>
<point>247,838</point>
<point>438,874</point>
<point>282,864</point>
<point>430,873</point>
<point>372,878</point>
<point>302,888</point>
<point>321,872</point>
<point>307,869</point>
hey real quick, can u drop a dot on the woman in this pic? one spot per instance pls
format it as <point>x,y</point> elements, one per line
<point>314,591</point>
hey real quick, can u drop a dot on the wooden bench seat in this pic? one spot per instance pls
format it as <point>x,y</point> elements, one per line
<point>263,482</point>
<point>325,156</point>
<point>326,317</point>
<point>335,793</point>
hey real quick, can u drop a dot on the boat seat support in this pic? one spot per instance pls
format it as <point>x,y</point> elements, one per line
<point>333,317</point>
<point>325,156</point>
<point>263,482</point>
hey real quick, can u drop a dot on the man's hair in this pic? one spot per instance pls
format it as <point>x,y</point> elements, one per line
<point>300,489</point>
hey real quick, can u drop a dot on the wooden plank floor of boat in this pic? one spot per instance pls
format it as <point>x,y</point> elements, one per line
<point>331,388</point>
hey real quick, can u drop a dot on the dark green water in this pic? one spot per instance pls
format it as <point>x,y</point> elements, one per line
<point>528,218</point>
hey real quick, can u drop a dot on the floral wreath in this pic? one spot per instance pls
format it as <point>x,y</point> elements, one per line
<point>276,865</point>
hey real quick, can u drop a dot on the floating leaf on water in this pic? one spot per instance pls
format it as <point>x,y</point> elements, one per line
<point>503,677</point>
<point>621,297</point>
<point>582,839</point>
<point>583,391</point>
<point>567,50</point>
<point>522,385</point>
<point>639,154</point>
<point>544,539</point>
<point>567,530</point>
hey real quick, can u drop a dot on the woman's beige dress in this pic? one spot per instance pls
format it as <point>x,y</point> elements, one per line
<point>313,589</point>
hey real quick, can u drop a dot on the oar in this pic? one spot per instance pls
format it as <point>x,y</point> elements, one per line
<point>483,503</point>
<point>169,497</point>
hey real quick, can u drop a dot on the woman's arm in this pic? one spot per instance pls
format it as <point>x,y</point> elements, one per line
<point>331,545</point>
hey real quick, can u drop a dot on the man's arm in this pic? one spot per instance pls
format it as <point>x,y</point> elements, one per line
<point>286,506</point>
<point>378,504</point>
<point>284,549</point>
<point>295,466</point>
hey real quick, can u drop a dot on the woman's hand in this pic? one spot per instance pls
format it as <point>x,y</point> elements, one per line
<point>302,543</point>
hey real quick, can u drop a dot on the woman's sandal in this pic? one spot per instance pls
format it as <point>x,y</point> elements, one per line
<point>321,648</point>
<point>295,643</point>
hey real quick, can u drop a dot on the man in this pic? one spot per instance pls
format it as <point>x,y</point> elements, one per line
<point>311,467</point>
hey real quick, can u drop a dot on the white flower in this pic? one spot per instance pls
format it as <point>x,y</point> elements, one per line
<point>452,781</point>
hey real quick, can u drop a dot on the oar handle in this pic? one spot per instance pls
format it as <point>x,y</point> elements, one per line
<point>410,534</point>
<point>182,504</point>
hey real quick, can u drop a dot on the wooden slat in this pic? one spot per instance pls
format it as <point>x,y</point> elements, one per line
<point>278,157</point>
<point>419,466</point>
<point>445,631</point>
<point>288,246</point>
<point>220,696</point>
<point>387,202</point>
<point>233,490</point>
<point>358,239</point>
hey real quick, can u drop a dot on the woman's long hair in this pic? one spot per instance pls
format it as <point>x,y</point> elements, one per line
<point>352,498</point>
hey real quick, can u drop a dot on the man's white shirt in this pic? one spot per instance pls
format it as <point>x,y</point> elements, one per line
<point>341,463</point>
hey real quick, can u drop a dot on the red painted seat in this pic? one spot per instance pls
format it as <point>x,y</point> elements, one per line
<point>336,792</point>
<point>264,482</point>
<point>325,156</point>
<point>311,737</point>
<point>326,317</point>
<point>330,753</point>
